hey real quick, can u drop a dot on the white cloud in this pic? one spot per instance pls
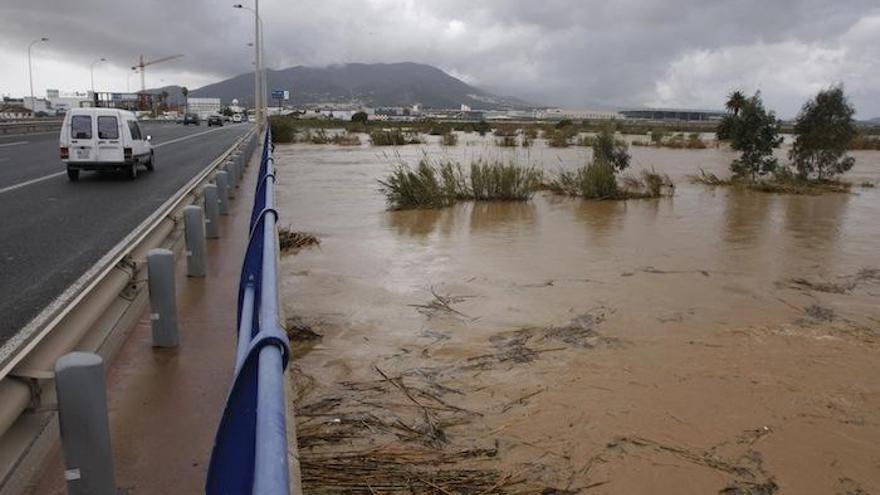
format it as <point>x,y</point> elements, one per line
<point>786,72</point>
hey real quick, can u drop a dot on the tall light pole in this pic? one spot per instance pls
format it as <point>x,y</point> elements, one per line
<point>259,89</point>
<point>31,72</point>
<point>92,71</point>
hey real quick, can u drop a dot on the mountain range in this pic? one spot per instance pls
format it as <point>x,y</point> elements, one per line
<point>373,85</point>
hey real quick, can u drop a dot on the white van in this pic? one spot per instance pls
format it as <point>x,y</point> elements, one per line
<point>104,139</point>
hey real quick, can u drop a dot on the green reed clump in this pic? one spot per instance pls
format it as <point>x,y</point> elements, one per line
<point>393,137</point>
<point>437,185</point>
<point>585,140</point>
<point>346,139</point>
<point>558,138</point>
<point>497,181</point>
<point>449,139</point>
<point>506,141</point>
<point>426,186</point>
<point>595,180</point>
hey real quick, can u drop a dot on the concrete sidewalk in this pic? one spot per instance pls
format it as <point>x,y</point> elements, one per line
<point>165,404</point>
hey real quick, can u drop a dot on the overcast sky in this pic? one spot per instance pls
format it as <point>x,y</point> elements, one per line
<point>571,53</point>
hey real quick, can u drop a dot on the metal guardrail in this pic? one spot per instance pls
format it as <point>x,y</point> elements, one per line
<point>29,126</point>
<point>250,452</point>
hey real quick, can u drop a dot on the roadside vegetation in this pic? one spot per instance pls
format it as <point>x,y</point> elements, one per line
<point>394,137</point>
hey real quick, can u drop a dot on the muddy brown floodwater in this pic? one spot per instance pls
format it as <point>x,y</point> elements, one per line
<point>718,341</point>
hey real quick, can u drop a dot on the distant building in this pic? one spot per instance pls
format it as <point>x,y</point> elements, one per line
<point>204,107</point>
<point>559,114</point>
<point>465,108</point>
<point>673,114</point>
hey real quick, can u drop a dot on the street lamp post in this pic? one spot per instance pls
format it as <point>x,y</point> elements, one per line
<point>31,72</point>
<point>259,89</point>
<point>92,71</point>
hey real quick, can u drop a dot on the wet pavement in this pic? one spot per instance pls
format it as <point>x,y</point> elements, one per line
<point>720,340</point>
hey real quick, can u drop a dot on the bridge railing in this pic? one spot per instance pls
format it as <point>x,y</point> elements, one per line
<point>250,450</point>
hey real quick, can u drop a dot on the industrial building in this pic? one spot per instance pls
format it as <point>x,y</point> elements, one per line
<point>675,114</point>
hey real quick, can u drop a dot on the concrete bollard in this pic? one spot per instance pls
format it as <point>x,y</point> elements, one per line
<point>163,297</point>
<point>194,233</point>
<point>85,429</point>
<point>212,211</point>
<point>229,166</point>
<point>222,180</point>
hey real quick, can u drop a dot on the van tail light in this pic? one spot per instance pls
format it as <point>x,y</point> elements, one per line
<point>127,153</point>
<point>65,153</point>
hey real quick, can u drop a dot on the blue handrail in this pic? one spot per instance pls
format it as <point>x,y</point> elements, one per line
<point>250,450</point>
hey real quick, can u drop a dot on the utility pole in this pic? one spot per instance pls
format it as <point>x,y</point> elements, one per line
<point>31,73</point>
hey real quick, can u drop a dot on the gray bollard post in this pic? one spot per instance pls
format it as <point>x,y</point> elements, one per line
<point>233,175</point>
<point>194,233</point>
<point>85,429</point>
<point>222,180</point>
<point>212,211</point>
<point>163,297</point>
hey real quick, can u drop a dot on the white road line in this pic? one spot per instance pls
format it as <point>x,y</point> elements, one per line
<point>32,181</point>
<point>14,144</point>
<point>183,138</point>
<point>47,177</point>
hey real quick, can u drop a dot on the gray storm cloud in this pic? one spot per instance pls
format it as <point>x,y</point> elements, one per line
<point>570,53</point>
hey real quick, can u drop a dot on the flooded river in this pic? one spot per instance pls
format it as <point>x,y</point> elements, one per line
<point>716,341</point>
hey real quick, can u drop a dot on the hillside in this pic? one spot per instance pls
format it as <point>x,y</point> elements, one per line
<point>376,85</point>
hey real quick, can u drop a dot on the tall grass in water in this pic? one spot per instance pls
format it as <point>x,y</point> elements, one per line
<point>437,185</point>
<point>495,181</point>
<point>393,137</point>
<point>425,186</point>
<point>506,141</point>
<point>593,181</point>
<point>449,139</point>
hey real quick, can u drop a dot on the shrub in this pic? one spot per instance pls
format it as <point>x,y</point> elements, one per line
<point>497,181</point>
<point>558,139</point>
<point>393,137</point>
<point>449,139</point>
<point>506,141</point>
<point>657,136</point>
<point>562,124</point>
<point>863,142</point>
<point>346,139</point>
<point>607,149</point>
<point>593,181</point>
<point>422,187</point>
<point>282,129</point>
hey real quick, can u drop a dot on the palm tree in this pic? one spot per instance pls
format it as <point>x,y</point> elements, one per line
<point>735,101</point>
<point>185,92</point>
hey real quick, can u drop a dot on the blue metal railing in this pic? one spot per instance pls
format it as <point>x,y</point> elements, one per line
<point>250,450</point>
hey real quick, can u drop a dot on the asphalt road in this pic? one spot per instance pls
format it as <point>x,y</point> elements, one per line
<point>53,230</point>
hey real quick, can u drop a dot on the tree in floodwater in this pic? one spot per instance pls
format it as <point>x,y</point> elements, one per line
<point>755,132</point>
<point>824,129</point>
<point>735,101</point>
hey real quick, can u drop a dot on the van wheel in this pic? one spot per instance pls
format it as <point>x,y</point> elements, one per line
<point>151,164</point>
<point>72,174</point>
<point>132,171</point>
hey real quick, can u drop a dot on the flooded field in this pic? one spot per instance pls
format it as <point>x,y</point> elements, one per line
<point>717,341</point>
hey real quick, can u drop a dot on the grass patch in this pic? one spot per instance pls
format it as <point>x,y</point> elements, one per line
<point>783,182</point>
<point>558,138</point>
<point>506,141</point>
<point>439,184</point>
<point>863,142</point>
<point>449,139</point>
<point>597,180</point>
<point>394,137</point>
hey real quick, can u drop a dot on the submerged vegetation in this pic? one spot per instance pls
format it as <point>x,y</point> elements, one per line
<point>439,184</point>
<point>393,137</point>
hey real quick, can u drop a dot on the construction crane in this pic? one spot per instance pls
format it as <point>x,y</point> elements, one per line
<point>141,65</point>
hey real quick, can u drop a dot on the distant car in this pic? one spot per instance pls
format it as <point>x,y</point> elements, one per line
<point>191,118</point>
<point>215,120</point>
<point>251,118</point>
<point>103,139</point>
<point>236,118</point>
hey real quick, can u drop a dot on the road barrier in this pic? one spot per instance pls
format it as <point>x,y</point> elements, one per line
<point>250,450</point>
<point>94,314</point>
<point>29,126</point>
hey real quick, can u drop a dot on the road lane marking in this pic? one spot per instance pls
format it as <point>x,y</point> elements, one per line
<point>50,176</point>
<point>188,136</point>
<point>29,182</point>
<point>14,144</point>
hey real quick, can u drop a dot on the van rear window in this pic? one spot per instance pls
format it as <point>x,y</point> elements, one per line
<point>108,128</point>
<point>81,127</point>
